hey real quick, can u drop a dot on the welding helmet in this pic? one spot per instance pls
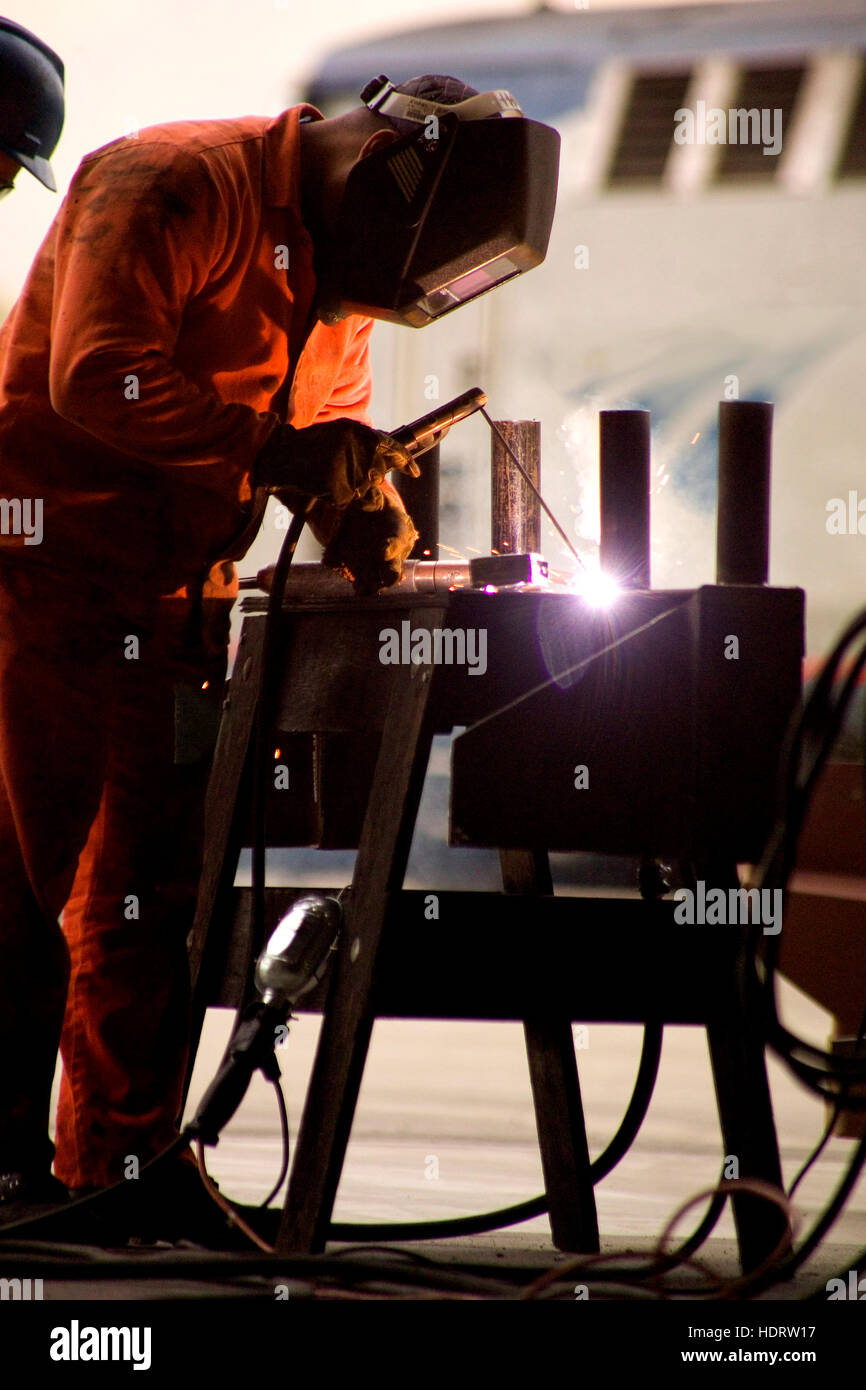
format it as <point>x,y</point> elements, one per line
<point>460,202</point>
<point>31,100</point>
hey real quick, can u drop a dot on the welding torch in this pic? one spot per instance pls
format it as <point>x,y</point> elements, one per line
<point>427,432</point>
<point>416,439</point>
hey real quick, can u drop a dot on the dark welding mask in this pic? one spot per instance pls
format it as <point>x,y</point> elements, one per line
<point>460,204</point>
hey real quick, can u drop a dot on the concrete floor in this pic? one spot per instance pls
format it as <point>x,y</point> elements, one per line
<point>445,1127</point>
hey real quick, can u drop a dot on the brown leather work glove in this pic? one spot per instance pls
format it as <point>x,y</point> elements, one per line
<point>341,460</point>
<point>368,547</point>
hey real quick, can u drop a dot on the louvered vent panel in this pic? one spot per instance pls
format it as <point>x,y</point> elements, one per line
<point>760,89</point>
<point>648,128</point>
<point>853,161</point>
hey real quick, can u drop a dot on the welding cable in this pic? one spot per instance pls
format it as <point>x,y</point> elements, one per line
<point>819,1148</point>
<point>265,714</point>
<point>770,1265</point>
<point>839,1105</point>
<point>224,1205</point>
<point>825,1221</point>
<point>810,742</point>
<point>809,745</point>
<point>284,1143</point>
<point>537,1206</point>
<point>85,1263</point>
<point>269,677</point>
<point>588,1268</point>
<point>660,1262</point>
<point>265,710</point>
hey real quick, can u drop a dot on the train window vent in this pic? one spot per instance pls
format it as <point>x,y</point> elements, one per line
<point>648,128</point>
<point>762,106</point>
<point>852,164</point>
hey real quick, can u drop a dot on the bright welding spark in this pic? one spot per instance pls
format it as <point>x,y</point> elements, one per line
<point>276,752</point>
<point>697,437</point>
<point>596,588</point>
<point>451,551</point>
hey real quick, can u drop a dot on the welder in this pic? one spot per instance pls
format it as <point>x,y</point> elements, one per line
<point>31,106</point>
<point>193,335</point>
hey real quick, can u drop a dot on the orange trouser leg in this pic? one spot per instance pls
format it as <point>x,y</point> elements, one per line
<point>58,663</point>
<point>125,1035</point>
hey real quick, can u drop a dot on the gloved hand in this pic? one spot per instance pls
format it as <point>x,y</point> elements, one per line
<point>368,547</point>
<point>342,461</point>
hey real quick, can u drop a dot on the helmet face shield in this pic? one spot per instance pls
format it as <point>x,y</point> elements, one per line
<point>438,217</point>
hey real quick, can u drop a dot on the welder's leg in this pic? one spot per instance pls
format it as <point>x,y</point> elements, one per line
<point>125,1036</point>
<point>57,662</point>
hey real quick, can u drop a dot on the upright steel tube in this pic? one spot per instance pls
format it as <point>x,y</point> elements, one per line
<point>624,487</point>
<point>515,514</point>
<point>743,514</point>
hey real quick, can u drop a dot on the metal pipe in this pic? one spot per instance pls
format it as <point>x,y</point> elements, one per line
<point>515,514</point>
<point>624,488</point>
<point>743,512</point>
<point>320,584</point>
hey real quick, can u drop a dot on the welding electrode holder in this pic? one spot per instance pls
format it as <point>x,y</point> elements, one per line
<point>429,430</point>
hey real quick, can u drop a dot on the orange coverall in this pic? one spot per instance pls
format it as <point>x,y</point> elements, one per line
<point>165,329</point>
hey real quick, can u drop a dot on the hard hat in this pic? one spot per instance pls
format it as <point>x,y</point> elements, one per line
<point>31,100</point>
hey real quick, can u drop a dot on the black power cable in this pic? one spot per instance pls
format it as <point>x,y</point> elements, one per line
<point>811,740</point>
<point>265,711</point>
<point>536,1206</point>
<point>284,1143</point>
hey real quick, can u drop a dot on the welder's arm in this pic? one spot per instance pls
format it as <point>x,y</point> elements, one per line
<point>369,540</point>
<point>141,236</point>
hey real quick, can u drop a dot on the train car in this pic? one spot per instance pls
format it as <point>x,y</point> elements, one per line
<point>683,269</point>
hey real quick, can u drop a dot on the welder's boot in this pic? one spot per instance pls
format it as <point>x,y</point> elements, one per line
<point>170,1204</point>
<point>24,1196</point>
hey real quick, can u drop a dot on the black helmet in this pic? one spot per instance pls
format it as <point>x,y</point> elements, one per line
<point>31,100</point>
